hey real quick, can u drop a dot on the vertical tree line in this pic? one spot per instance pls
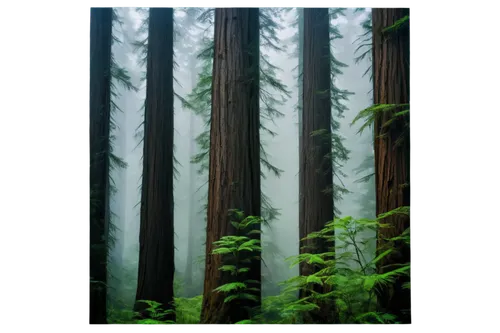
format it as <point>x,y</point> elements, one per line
<point>388,29</point>
<point>316,182</point>
<point>391,86</point>
<point>101,25</point>
<point>109,246</point>
<point>156,253</point>
<point>273,94</point>
<point>234,173</point>
<point>321,148</point>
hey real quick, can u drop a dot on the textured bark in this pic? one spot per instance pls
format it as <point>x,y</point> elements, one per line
<point>316,181</point>
<point>156,254</point>
<point>391,65</point>
<point>234,169</point>
<point>100,79</point>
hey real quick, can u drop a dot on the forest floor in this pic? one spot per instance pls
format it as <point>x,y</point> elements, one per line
<point>188,311</point>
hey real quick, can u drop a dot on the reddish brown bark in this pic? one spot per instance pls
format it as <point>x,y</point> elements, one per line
<point>316,180</point>
<point>391,65</point>
<point>156,254</point>
<point>234,174</point>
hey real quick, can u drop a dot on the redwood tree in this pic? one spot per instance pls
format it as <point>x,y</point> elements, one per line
<point>391,76</point>
<point>316,180</point>
<point>100,96</point>
<point>234,162</point>
<point>156,253</point>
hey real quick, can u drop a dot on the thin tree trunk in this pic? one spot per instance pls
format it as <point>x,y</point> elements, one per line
<point>316,181</point>
<point>156,254</point>
<point>234,172</point>
<point>100,79</point>
<point>391,66</point>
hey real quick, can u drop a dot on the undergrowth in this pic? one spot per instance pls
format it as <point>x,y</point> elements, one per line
<point>238,252</point>
<point>188,311</point>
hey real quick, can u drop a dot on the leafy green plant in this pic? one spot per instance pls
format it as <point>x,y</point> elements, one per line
<point>347,272</point>
<point>348,276</point>
<point>238,252</point>
<point>396,111</point>
<point>188,310</point>
<point>274,310</point>
<point>155,314</point>
<point>120,316</point>
<point>235,262</point>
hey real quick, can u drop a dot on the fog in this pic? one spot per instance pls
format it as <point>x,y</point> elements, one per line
<point>190,186</point>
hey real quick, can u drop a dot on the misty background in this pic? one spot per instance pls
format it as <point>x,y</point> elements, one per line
<point>190,186</point>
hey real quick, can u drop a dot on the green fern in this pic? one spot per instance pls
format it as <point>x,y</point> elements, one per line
<point>155,314</point>
<point>369,114</point>
<point>350,280</point>
<point>234,250</point>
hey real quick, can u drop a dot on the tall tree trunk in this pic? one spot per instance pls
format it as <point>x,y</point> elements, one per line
<point>100,79</point>
<point>234,169</point>
<point>391,66</point>
<point>156,254</point>
<point>316,180</point>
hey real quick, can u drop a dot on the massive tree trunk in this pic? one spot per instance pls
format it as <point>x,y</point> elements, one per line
<point>156,254</point>
<point>234,172</point>
<point>100,79</point>
<point>316,181</point>
<point>391,66</point>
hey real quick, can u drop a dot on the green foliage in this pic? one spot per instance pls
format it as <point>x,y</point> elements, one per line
<point>187,311</point>
<point>349,278</point>
<point>238,251</point>
<point>279,310</point>
<point>120,316</point>
<point>122,286</point>
<point>364,42</point>
<point>345,271</point>
<point>397,25</point>
<point>154,314</point>
<point>368,115</point>
<point>178,284</point>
